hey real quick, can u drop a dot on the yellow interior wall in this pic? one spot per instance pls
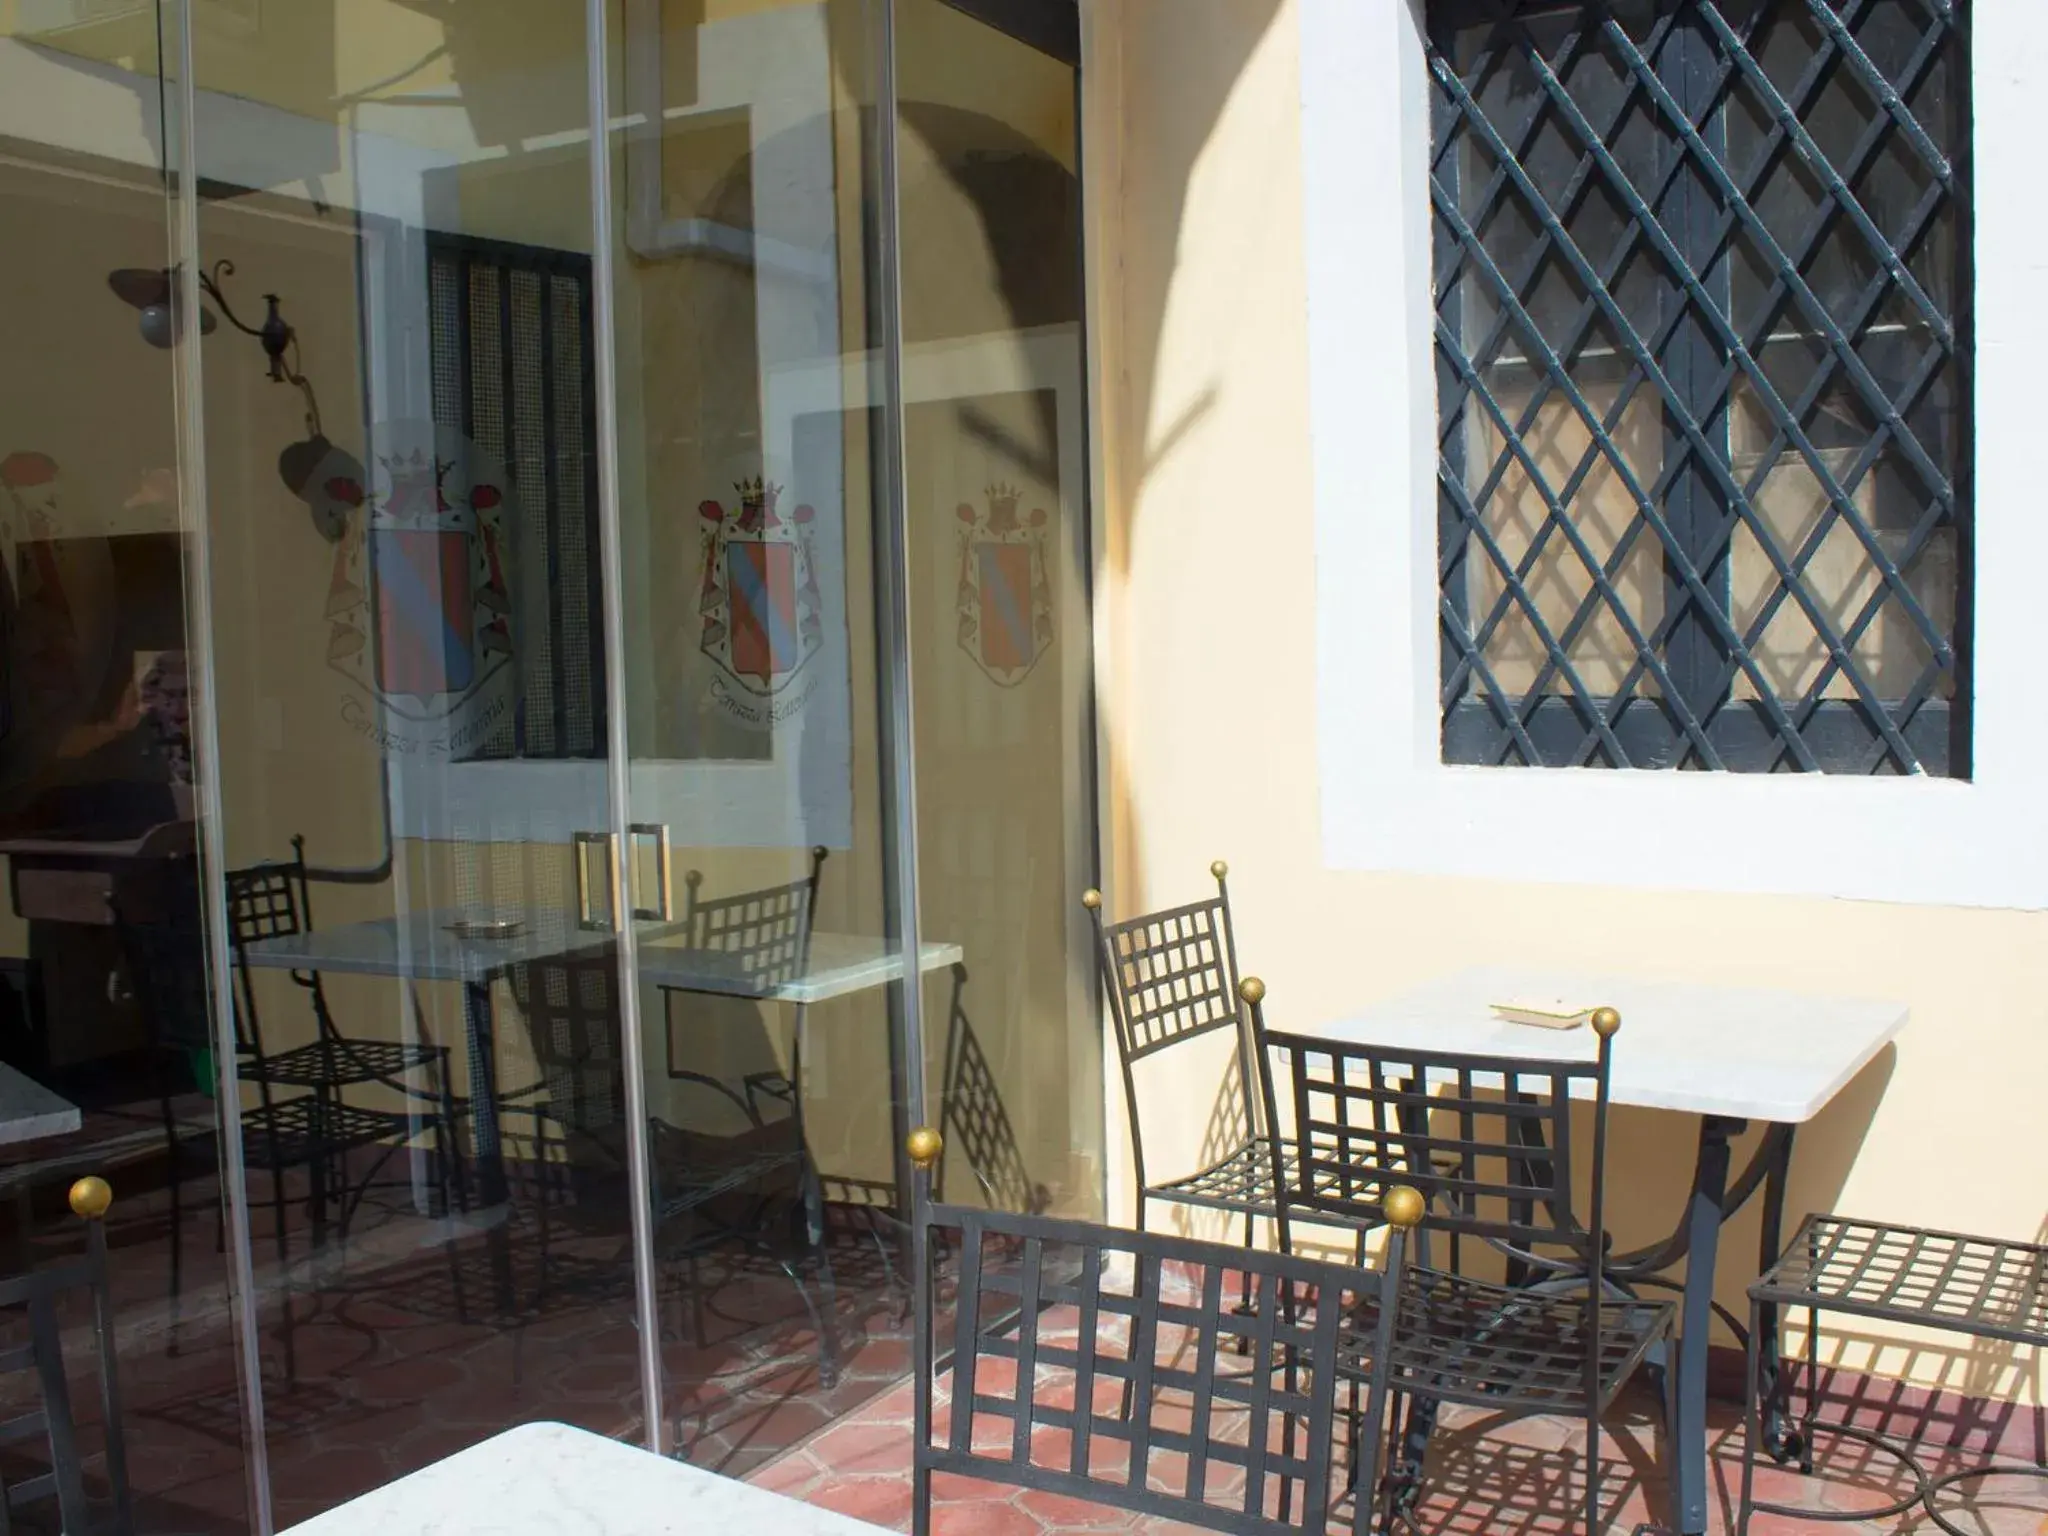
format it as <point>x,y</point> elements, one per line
<point>1210,712</point>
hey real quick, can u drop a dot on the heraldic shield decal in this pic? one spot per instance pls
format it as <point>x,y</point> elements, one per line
<point>1004,598</point>
<point>420,606</point>
<point>758,599</point>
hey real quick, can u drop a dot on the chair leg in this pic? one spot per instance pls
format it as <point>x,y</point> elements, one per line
<point>445,1136</point>
<point>284,1270</point>
<point>1129,1396</point>
<point>920,1498</point>
<point>177,1248</point>
<point>1593,1525</point>
<point>1243,1345</point>
<point>1752,1419</point>
<point>828,1296</point>
<point>1365,1458</point>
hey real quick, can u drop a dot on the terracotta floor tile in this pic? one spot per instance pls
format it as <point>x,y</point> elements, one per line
<point>883,1501</point>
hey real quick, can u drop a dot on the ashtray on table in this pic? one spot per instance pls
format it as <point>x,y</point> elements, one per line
<point>486,927</point>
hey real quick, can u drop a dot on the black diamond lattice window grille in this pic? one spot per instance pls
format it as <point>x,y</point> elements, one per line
<point>1702,350</point>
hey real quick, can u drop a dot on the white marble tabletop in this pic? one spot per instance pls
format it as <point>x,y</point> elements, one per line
<point>425,946</point>
<point>551,1480</point>
<point>1693,1047</point>
<point>29,1111</point>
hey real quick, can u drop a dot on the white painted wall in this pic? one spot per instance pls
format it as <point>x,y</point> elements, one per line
<point>1388,802</point>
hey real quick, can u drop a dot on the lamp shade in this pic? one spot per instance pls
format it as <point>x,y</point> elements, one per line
<point>329,480</point>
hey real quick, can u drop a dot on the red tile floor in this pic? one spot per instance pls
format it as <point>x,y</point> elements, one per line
<point>1487,1477</point>
<point>388,1372</point>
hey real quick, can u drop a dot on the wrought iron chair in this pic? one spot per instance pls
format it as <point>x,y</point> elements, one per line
<point>311,1128</point>
<point>765,935</point>
<point>1172,979</point>
<point>37,1293</point>
<point>572,1016</point>
<point>1980,1287</point>
<point>1047,1339</point>
<point>274,900</point>
<point>1488,1142</point>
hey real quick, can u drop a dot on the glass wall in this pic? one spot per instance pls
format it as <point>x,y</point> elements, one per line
<point>995,496</point>
<point>105,1070</point>
<point>547,706</point>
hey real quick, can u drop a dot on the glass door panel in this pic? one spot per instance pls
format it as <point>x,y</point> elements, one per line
<point>401,472</point>
<point>757,670</point>
<point>102,998</point>
<point>996,505</point>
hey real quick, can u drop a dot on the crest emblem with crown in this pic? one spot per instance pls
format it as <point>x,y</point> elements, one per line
<point>758,604</point>
<point>419,601</point>
<point>1004,596</point>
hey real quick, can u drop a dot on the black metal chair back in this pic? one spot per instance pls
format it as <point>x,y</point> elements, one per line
<point>1172,979</point>
<point>1059,1324</point>
<point>37,1293</point>
<point>767,930</point>
<point>1486,1139</point>
<point>266,901</point>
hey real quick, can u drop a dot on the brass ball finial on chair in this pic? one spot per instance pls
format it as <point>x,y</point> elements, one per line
<point>924,1146</point>
<point>1605,1022</point>
<point>91,1196</point>
<point>1091,899</point>
<point>1219,869</point>
<point>1404,1206</point>
<point>1252,990</point>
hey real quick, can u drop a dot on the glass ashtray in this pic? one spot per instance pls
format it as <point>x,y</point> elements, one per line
<point>486,927</point>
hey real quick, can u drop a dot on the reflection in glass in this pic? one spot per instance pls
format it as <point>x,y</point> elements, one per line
<point>103,1018</point>
<point>1000,662</point>
<point>410,697</point>
<point>754,541</point>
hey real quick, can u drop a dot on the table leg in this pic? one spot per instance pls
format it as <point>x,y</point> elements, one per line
<point>1782,1445</point>
<point>483,1118</point>
<point>1705,1211</point>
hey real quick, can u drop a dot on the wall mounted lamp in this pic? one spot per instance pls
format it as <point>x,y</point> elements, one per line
<point>328,479</point>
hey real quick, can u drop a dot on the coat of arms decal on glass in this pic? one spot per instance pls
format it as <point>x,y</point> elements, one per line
<point>420,604</point>
<point>1004,597</point>
<point>761,615</point>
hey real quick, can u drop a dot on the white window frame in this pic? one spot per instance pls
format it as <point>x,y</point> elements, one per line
<point>1388,801</point>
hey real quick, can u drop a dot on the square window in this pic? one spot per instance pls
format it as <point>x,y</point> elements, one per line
<point>1700,273</point>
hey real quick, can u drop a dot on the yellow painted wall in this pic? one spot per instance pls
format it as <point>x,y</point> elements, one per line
<point>1210,709</point>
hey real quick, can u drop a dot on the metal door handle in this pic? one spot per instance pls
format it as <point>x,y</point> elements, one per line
<point>583,843</point>
<point>663,877</point>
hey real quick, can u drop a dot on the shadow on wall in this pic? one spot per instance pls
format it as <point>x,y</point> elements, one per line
<point>1179,63</point>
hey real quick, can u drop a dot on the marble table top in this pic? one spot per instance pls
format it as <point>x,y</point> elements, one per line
<point>551,1480</point>
<point>1747,1053</point>
<point>29,1111</point>
<point>425,946</point>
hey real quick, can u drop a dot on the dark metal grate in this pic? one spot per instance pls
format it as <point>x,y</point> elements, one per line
<point>1171,975</point>
<point>1946,1280</point>
<point>1112,1367</point>
<point>1702,346</point>
<point>767,931</point>
<point>1493,1163</point>
<point>512,370</point>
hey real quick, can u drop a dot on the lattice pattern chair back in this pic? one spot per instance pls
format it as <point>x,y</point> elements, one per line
<point>36,1293</point>
<point>1057,1323</point>
<point>1172,978</point>
<point>267,901</point>
<point>1491,1162</point>
<point>768,930</point>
